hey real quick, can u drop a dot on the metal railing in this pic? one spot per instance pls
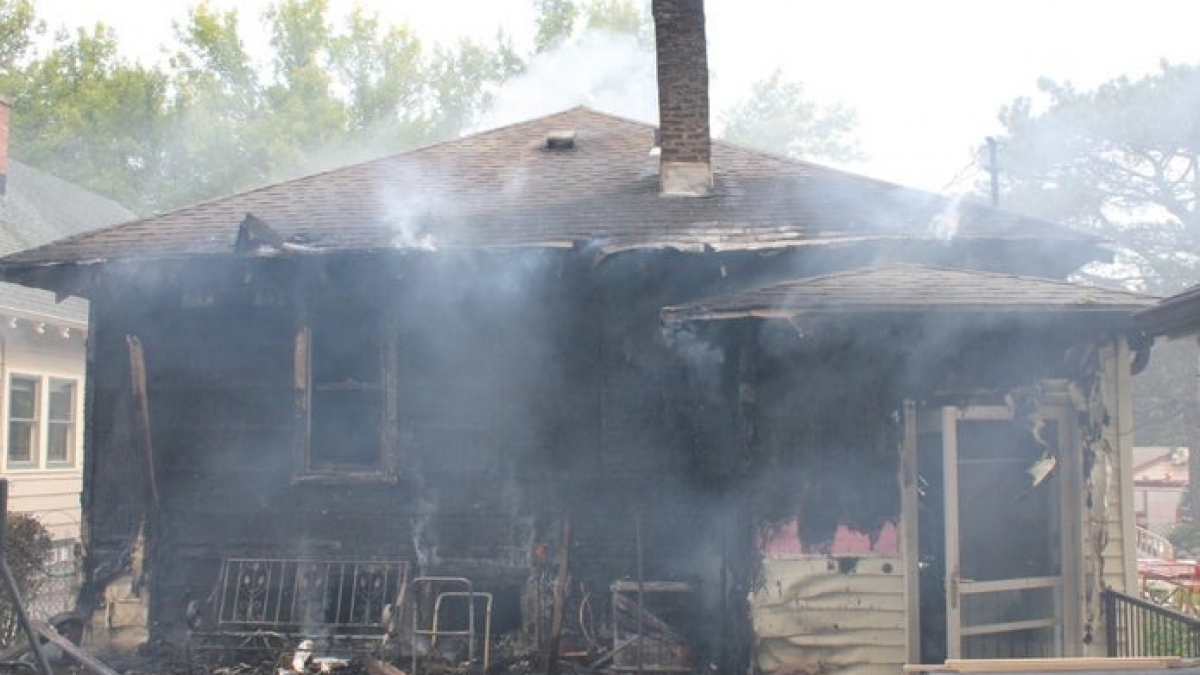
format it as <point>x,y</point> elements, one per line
<point>1136,627</point>
<point>317,597</point>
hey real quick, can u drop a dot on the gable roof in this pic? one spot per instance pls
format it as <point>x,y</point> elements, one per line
<point>911,289</point>
<point>504,189</point>
<point>38,208</point>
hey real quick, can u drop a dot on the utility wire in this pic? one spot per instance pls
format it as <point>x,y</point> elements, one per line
<point>962,173</point>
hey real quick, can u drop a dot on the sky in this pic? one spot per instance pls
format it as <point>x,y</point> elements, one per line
<point>926,78</point>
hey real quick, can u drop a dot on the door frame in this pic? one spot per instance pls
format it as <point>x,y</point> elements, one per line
<point>943,420</point>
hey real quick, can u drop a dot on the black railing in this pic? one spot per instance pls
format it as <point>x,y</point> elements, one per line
<point>1135,627</point>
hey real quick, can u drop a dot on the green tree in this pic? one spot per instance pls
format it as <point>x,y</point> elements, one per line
<point>560,20</point>
<point>26,544</point>
<point>555,22</point>
<point>18,28</point>
<point>218,99</point>
<point>624,17</point>
<point>382,70</point>
<point>464,81</point>
<point>336,89</point>
<point>88,115</point>
<point>210,121</point>
<point>779,117</point>
<point>1121,161</point>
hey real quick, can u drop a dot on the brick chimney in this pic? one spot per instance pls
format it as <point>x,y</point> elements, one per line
<point>4,108</point>
<point>685,165</point>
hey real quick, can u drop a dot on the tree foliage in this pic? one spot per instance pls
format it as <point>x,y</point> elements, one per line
<point>212,119</point>
<point>18,28</point>
<point>78,106</point>
<point>558,21</point>
<point>1121,161</point>
<point>26,544</point>
<point>779,117</point>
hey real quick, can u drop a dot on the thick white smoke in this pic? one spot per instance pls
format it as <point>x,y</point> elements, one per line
<point>599,69</point>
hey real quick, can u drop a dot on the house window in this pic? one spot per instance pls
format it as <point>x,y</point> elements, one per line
<point>345,375</point>
<point>23,399</point>
<point>42,421</point>
<point>60,422</point>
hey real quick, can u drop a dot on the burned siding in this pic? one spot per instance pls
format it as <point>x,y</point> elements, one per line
<point>833,593</point>
<point>811,614</point>
<point>531,390</point>
<point>830,597</point>
<point>536,405</point>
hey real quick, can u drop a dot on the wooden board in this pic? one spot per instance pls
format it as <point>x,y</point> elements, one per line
<point>1041,665</point>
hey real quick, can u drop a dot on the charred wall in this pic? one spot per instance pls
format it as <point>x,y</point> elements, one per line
<point>829,394</point>
<point>531,389</point>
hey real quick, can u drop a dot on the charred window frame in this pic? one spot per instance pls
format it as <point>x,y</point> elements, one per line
<point>345,382</point>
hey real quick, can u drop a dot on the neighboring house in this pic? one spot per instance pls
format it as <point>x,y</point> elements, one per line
<point>42,350</point>
<point>838,424</point>
<point>1160,481</point>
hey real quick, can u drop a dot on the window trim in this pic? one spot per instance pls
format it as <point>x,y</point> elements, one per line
<point>40,460</point>
<point>72,424</point>
<point>388,468</point>
<point>35,445</point>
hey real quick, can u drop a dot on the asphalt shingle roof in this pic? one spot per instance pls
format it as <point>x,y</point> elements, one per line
<point>503,188</point>
<point>38,208</point>
<point>904,288</point>
<point>1176,316</point>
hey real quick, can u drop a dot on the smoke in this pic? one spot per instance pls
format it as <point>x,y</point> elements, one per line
<point>408,211</point>
<point>600,69</point>
<point>702,360</point>
<point>945,223</point>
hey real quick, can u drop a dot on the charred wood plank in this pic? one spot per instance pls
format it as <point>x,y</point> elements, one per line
<point>560,592</point>
<point>72,650</point>
<point>374,666</point>
<point>141,416</point>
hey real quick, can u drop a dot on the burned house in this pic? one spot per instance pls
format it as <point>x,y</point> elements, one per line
<point>599,391</point>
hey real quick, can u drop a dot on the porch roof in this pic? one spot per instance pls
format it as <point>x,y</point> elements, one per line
<point>1176,316</point>
<point>911,289</point>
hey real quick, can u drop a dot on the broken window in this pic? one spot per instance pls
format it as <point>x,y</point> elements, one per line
<point>345,375</point>
<point>42,421</point>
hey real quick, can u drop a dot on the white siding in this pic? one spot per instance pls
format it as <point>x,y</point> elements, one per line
<point>51,494</point>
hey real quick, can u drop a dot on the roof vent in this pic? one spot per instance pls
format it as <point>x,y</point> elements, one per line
<point>561,140</point>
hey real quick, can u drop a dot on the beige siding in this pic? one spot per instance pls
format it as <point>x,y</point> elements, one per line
<point>1119,569</point>
<point>810,616</point>
<point>1108,541</point>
